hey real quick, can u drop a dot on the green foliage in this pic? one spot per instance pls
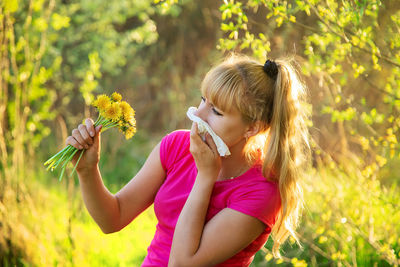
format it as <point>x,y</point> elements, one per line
<point>102,27</point>
<point>131,154</point>
<point>54,55</point>
<point>51,50</point>
<point>232,12</point>
<point>25,101</point>
<point>89,83</point>
<point>49,226</point>
<point>345,222</point>
<point>355,66</point>
<point>168,7</point>
<point>339,39</point>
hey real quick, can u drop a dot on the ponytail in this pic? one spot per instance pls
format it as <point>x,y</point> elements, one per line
<point>271,95</point>
<point>286,151</point>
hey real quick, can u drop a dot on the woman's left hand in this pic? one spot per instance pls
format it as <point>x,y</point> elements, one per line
<point>205,154</point>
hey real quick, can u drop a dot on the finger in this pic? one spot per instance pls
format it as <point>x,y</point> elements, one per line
<point>194,134</point>
<point>96,138</point>
<point>194,129</point>
<point>72,141</point>
<point>98,128</point>
<point>210,142</point>
<point>89,126</point>
<point>77,135</point>
<point>85,134</point>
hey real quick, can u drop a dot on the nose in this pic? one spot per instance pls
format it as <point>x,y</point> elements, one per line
<point>201,112</point>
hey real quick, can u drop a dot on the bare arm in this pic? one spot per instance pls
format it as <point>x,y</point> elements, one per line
<point>226,234</point>
<point>101,204</point>
<point>113,212</point>
<point>196,243</point>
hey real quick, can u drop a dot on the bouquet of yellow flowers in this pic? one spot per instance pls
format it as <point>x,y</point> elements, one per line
<point>113,112</point>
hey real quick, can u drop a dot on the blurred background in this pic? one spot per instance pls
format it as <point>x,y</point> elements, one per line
<point>57,55</point>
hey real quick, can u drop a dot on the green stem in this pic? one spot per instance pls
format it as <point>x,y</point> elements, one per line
<point>106,124</point>
<point>63,156</point>
<point>53,157</point>
<point>70,157</point>
<point>65,164</point>
<point>62,173</point>
<point>110,125</point>
<point>97,121</point>
<point>102,120</point>
<point>80,156</point>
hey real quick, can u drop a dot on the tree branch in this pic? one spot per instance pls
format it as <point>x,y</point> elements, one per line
<point>384,57</point>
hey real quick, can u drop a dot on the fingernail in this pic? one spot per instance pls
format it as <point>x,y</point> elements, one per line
<point>91,134</point>
<point>80,147</point>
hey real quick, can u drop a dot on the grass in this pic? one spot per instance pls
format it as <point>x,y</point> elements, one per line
<point>349,220</point>
<point>51,227</point>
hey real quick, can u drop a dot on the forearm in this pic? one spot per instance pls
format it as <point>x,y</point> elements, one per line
<point>190,225</point>
<point>101,204</point>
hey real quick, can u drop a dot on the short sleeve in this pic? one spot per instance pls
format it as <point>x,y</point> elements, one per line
<point>260,200</point>
<point>172,146</point>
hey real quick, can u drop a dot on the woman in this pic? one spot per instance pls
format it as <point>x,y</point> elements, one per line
<point>214,210</point>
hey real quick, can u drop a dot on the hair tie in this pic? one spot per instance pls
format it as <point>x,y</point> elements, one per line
<point>271,69</point>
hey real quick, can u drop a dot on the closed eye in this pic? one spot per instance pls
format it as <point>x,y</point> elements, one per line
<point>216,112</point>
<point>212,107</point>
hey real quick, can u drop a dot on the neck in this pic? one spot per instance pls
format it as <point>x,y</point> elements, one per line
<point>235,164</point>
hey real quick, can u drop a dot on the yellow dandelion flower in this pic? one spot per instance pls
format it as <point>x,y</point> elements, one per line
<point>112,112</point>
<point>126,110</point>
<point>132,121</point>
<point>102,102</point>
<point>124,106</point>
<point>116,97</point>
<point>122,126</point>
<point>128,116</point>
<point>130,132</point>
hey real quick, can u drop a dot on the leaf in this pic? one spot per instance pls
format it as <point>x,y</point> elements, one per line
<point>10,6</point>
<point>279,21</point>
<point>40,24</point>
<point>58,22</point>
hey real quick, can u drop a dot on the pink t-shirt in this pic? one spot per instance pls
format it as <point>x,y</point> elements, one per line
<point>249,193</point>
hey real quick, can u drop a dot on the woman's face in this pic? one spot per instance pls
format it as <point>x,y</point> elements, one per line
<point>228,125</point>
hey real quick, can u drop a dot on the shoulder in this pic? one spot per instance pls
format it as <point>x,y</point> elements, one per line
<point>258,197</point>
<point>178,136</point>
<point>175,141</point>
<point>257,183</point>
<point>258,188</point>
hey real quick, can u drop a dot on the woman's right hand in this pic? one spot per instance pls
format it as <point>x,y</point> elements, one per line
<point>86,137</point>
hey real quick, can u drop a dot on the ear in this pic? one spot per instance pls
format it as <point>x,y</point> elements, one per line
<point>253,129</point>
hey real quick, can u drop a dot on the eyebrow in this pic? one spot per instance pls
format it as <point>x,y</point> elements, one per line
<point>212,104</point>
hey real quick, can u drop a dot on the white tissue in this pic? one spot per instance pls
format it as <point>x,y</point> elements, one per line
<point>203,127</point>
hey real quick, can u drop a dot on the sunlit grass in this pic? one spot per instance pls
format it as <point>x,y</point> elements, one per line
<point>348,220</point>
<point>51,227</point>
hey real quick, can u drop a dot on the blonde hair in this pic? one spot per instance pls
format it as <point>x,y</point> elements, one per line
<point>282,143</point>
